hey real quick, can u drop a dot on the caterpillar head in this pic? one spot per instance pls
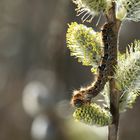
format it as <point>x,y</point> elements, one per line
<point>79,99</point>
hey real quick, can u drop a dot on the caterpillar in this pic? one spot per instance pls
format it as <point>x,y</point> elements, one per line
<point>105,69</point>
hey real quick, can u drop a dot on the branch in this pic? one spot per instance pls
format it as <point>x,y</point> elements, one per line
<point>114,94</point>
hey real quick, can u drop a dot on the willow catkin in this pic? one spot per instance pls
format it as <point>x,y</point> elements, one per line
<point>90,8</point>
<point>92,114</point>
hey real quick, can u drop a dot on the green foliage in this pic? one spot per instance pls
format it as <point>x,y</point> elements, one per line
<point>128,9</point>
<point>92,114</point>
<point>85,44</point>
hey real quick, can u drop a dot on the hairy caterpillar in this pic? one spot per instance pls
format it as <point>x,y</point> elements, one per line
<point>93,114</point>
<point>105,69</point>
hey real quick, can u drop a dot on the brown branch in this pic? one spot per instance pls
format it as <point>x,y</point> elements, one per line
<point>114,94</point>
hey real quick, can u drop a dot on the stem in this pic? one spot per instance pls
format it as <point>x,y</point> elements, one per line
<point>114,94</point>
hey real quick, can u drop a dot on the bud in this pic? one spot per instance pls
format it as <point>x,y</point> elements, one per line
<point>128,9</point>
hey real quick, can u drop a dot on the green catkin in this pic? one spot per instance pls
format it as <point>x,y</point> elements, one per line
<point>91,8</point>
<point>92,114</point>
<point>85,44</point>
<point>127,77</point>
<point>128,70</point>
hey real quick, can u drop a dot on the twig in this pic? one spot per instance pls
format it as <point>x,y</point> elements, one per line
<point>114,94</point>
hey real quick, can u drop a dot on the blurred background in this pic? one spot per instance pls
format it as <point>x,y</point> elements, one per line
<point>37,74</point>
